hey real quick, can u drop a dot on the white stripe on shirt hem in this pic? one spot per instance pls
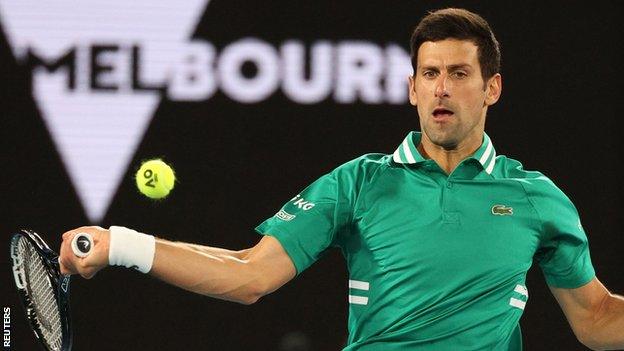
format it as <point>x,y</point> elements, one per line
<point>358,284</point>
<point>517,303</point>
<point>358,300</point>
<point>522,290</point>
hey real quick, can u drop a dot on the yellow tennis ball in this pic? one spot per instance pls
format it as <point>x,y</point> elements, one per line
<point>155,179</point>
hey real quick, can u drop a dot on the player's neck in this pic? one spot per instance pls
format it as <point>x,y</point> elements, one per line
<point>449,159</point>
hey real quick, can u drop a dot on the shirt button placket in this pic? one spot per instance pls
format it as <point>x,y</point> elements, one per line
<point>450,216</point>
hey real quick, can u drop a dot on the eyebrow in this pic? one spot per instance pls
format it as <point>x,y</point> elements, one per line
<point>449,67</point>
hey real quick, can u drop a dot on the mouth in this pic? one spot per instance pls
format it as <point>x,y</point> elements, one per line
<point>441,114</point>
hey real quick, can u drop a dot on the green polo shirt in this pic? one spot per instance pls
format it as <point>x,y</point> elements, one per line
<point>436,261</point>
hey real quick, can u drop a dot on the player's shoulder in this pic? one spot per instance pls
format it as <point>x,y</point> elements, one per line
<point>367,162</point>
<point>533,181</point>
<point>365,166</point>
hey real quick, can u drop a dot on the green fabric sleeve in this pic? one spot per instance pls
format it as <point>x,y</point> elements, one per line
<point>308,224</point>
<point>321,215</point>
<point>563,254</point>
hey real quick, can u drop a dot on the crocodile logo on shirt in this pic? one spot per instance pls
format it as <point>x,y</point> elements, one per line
<point>502,210</point>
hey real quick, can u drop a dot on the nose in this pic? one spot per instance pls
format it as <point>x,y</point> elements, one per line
<point>441,88</point>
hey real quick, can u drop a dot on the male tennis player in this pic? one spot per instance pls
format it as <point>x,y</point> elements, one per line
<point>438,237</point>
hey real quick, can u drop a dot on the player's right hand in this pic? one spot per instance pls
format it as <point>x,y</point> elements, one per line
<point>87,266</point>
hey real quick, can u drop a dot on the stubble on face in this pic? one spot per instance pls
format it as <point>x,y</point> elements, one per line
<point>450,134</point>
<point>446,135</point>
<point>448,92</point>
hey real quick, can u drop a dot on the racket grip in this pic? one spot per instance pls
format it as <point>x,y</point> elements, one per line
<point>81,244</point>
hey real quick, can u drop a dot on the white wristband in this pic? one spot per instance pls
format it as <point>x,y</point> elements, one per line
<point>131,249</point>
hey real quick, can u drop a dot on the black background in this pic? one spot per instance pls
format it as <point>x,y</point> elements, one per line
<point>237,164</point>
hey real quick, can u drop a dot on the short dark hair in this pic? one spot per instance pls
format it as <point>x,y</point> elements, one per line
<point>452,23</point>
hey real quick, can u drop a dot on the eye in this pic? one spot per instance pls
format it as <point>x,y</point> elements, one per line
<point>429,74</point>
<point>460,74</point>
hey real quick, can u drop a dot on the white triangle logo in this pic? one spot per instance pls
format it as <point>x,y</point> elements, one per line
<point>98,119</point>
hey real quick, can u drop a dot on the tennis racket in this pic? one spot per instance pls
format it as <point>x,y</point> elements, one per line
<point>44,291</point>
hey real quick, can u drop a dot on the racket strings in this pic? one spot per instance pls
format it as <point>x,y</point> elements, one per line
<point>41,292</point>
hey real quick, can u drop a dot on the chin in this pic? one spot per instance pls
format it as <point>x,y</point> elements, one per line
<point>448,145</point>
<point>443,140</point>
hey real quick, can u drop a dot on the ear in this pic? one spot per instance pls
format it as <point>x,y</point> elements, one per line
<point>412,90</point>
<point>493,89</point>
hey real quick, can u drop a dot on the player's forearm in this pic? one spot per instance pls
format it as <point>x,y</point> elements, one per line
<point>217,251</point>
<point>607,332</point>
<point>209,271</point>
<point>242,276</point>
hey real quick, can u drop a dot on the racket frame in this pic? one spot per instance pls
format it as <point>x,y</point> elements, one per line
<point>60,285</point>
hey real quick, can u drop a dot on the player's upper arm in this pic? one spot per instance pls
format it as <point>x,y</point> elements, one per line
<point>582,305</point>
<point>271,263</point>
